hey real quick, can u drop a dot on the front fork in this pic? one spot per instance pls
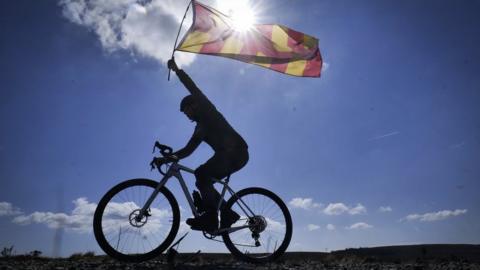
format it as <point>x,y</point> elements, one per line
<point>145,211</point>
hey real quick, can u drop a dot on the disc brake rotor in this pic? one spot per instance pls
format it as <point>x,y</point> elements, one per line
<point>136,220</point>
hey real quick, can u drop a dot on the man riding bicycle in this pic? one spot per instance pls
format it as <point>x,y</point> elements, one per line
<point>231,152</point>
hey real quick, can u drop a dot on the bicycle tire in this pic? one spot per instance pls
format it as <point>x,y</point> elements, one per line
<point>288,224</point>
<point>137,257</point>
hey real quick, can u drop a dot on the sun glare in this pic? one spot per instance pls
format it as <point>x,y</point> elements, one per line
<point>241,12</point>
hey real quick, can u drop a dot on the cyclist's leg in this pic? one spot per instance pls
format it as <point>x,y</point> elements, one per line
<point>239,159</point>
<point>219,166</point>
<point>228,216</point>
<point>208,221</point>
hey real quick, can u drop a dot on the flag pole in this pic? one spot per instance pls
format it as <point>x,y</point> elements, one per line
<point>178,34</point>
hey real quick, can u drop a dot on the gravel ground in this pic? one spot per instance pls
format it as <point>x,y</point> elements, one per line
<point>200,262</point>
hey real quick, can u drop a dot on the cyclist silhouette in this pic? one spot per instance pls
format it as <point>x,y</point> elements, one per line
<point>231,152</point>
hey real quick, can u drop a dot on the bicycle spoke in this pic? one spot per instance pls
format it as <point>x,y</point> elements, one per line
<point>273,233</point>
<point>143,238</point>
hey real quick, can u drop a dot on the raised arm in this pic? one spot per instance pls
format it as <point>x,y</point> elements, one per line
<point>184,78</point>
<point>189,84</point>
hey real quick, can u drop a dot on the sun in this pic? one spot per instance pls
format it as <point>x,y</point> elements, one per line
<point>240,11</point>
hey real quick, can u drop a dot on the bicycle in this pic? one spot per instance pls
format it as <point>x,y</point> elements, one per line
<point>138,219</point>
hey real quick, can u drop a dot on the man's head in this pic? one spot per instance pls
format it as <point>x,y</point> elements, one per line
<point>188,106</point>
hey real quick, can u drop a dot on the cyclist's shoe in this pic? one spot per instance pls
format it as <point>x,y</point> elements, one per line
<point>228,217</point>
<point>207,221</point>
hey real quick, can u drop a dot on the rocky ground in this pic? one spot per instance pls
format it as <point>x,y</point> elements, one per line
<point>204,261</point>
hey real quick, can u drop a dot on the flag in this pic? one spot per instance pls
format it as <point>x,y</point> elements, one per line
<point>271,46</point>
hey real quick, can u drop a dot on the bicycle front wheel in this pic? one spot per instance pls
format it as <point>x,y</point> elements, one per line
<point>267,222</point>
<point>125,235</point>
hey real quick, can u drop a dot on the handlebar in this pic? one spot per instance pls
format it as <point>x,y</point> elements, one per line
<point>164,149</point>
<point>166,152</point>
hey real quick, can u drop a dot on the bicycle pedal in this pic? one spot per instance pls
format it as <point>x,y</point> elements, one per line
<point>210,235</point>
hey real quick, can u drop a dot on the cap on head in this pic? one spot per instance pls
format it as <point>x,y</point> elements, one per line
<point>186,101</point>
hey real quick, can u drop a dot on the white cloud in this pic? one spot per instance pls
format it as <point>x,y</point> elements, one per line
<point>340,208</point>
<point>149,29</point>
<point>359,225</point>
<point>435,216</point>
<point>312,227</point>
<point>359,209</point>
<point>276,226</point>
<point>7,209</point>
<point>80,220</point>
<point>335,209</point>
<point>331,209</point>
<point>330,227</point>
<point>384,209</point>
<point>304,203</point>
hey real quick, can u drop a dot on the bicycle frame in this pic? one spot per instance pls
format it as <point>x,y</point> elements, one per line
<point>175,171</point>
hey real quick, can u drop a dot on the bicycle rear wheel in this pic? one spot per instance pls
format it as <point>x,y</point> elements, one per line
<point>124,236</point>
<point>269,227</point>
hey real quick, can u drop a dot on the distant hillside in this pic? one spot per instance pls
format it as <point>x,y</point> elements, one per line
<point>407,253</point>
<point>414,252</point>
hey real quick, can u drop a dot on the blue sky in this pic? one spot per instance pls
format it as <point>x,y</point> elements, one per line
<point>383,149</point>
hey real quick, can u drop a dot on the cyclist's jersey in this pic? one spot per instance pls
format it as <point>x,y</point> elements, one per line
<point>212,127</point>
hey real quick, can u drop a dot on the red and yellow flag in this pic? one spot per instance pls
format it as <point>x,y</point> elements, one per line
<point>268,45</point>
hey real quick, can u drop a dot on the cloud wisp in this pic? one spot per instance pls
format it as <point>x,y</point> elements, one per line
<point>325,66</point>
<point>385,209</point>
<point>359,226</point>
<point>148,28</point>
<point>331,227</point>
<point>435,216</point>
<point>393,133</point>
<point>334,209</point>
<point>304,203</point>
<point>7,209</point>
<point>458,145</point>
<point>313,227</point>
